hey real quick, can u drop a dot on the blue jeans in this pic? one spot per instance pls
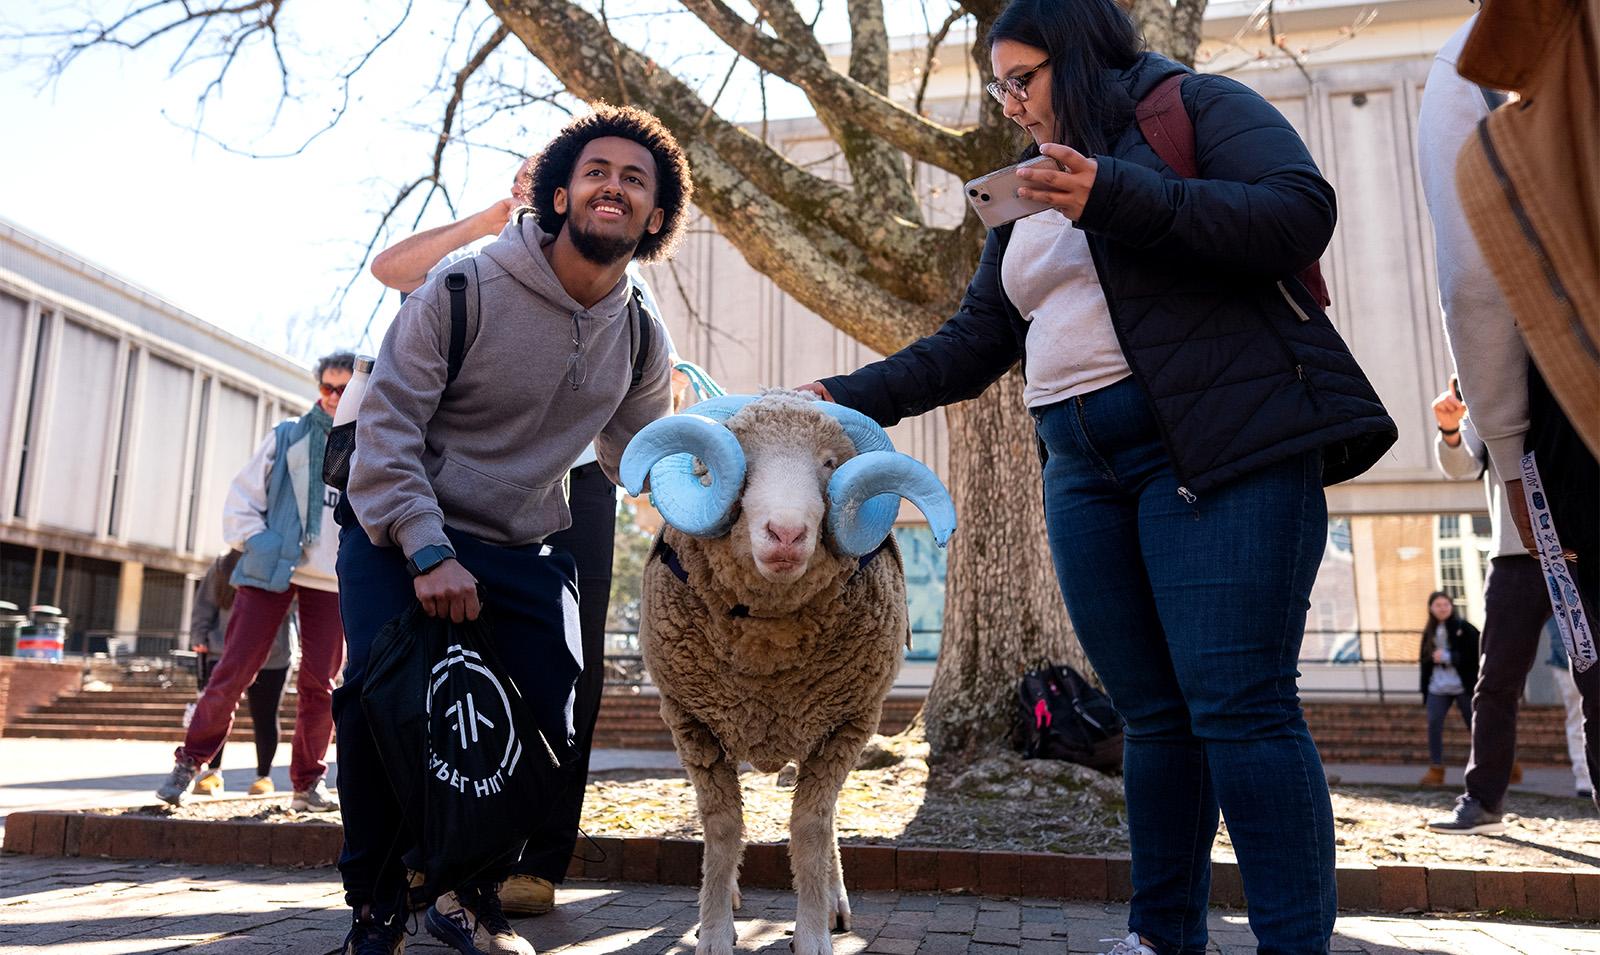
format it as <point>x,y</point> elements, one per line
<point>1192,613</point>
<point>1438,708</point>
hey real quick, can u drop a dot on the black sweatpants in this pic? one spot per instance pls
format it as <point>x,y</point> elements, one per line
<point>591,541</point>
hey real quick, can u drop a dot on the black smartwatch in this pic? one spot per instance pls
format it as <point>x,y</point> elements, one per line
<point>428,558</point>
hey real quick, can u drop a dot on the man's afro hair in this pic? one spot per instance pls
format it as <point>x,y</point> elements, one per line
<point>553,168</point>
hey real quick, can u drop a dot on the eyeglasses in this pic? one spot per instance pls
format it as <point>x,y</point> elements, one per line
<point>1017,85</point>
<point>577,366</point>
<point>330,390</point>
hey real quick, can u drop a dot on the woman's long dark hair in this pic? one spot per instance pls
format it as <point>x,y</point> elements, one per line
<point>1455,612</point>
<point>1084,39</point>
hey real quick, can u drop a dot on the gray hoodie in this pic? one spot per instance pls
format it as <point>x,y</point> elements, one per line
<point>489,455</point>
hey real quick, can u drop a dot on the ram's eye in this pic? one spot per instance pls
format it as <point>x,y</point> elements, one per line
<point>829,464</point>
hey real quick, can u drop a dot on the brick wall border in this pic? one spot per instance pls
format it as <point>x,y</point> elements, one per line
<point>1546,893</point>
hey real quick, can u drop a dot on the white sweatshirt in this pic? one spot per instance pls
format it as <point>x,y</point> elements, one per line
<point>1490,358</point>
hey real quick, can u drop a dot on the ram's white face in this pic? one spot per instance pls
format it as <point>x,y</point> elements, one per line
<point>785,498</point>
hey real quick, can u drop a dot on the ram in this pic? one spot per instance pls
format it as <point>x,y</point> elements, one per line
<point>774,619</point>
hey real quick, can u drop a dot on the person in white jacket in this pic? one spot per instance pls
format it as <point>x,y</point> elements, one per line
<point>280,515</point>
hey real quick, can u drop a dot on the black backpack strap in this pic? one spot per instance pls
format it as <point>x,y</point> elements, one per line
<point>456,284</point>
<point>642,321</point>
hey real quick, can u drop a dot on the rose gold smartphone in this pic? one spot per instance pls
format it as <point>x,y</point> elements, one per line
<point>994,195</point>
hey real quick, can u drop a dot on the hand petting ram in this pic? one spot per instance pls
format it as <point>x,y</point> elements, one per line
<point>774,619</point>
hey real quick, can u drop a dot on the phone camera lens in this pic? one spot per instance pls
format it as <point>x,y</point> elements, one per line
<point>972,192</point>
<point>984,197</point>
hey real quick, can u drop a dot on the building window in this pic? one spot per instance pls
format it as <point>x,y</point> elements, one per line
<point>925,570</point>
<point>161,603</point>
<point>16,574</point>
<point>1449,526</point>
<point>1452,577</point>
<point>1482,526</point>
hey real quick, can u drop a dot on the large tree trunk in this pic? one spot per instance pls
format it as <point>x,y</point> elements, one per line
<point>1003,608</point>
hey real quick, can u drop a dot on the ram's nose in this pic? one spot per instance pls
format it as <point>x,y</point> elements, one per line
<point>786,534</point>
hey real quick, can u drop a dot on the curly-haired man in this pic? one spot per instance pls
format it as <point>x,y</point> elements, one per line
<point>459,487</point>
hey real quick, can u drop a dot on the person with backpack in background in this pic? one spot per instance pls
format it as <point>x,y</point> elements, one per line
<point>458,482</point>
<point>208,627</point>
<point>591,540</point>
<point>1448,666</point>
<point>1191,401</point>
<point>279,515</point>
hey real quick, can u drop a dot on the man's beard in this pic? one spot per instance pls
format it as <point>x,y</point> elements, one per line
<point>600,249</point>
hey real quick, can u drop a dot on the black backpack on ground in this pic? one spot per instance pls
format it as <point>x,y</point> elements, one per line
<point>472,771</point>
<point>1060,715</point>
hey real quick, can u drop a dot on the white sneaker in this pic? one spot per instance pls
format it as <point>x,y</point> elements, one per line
<point>315,799</point>
<point>1128,946</point>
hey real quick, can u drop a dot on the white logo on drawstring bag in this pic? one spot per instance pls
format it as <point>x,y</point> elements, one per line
<point>478,717</point>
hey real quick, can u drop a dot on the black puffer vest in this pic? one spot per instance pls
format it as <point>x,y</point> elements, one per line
<point>1241,366</point>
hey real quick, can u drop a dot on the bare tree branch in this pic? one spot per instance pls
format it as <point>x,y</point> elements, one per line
<point>838,98</point>
<point>932,60</point>
<point>563,36</point>
<point>231,28</point>
<point>773,240</point>
<point>877,167</point>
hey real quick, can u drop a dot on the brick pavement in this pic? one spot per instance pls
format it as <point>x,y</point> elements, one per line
<point>107,907</point>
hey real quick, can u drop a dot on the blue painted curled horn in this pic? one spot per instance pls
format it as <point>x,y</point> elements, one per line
<point>665,450</point>
<point>858,488</point>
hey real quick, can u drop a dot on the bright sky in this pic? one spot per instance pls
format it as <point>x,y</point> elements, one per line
<point>101,162</point>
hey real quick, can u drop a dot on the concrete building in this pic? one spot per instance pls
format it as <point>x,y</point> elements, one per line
<point>122,421</point>
<point>1351,84</point>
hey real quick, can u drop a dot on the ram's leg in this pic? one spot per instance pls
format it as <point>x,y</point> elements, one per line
<point>813,843</point>
<point>716,788</point>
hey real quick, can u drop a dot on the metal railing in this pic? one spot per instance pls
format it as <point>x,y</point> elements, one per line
<point>1348,663</point>
<point>153,654</point>
<point>1332,662</point>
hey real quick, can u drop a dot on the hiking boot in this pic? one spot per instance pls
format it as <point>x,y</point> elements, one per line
<point>177,784</point>
<point>315,799</point>
<point>527,895</point>
<point>208,783</point>
<point>1132,945</point>
<point>1469,818</point>
<point>1433,777</point>
<point>370,936</point>
<point>262,786</point>
<point>472,922</point>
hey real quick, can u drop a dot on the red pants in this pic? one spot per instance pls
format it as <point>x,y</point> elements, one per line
<point>252,627</point>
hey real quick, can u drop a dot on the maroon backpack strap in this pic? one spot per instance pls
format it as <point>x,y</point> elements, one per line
<point>1166,126</point>
<point>1168,129</point>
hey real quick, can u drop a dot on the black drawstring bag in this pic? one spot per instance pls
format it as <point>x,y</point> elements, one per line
<point>473,773</point>
<point>1060,715</point>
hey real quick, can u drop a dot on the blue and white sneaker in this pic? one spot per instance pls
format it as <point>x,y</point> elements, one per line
<point>472,922</point>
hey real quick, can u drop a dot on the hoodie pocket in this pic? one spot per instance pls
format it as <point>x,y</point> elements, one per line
<point>521,512</point>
